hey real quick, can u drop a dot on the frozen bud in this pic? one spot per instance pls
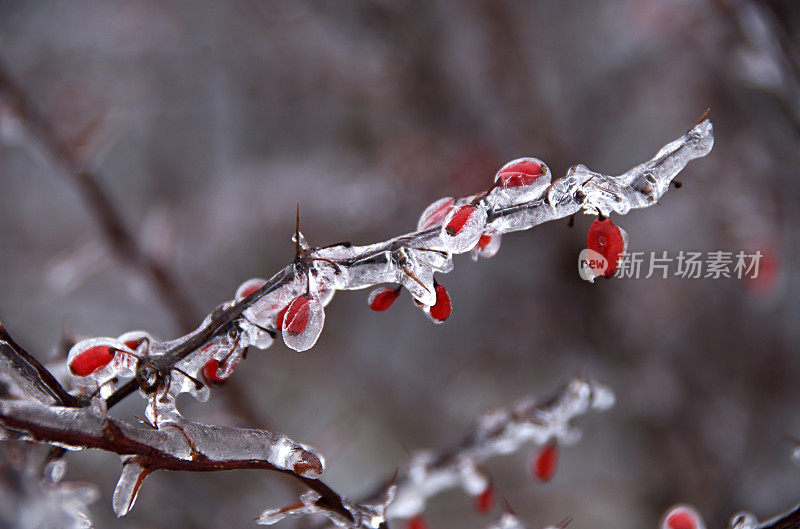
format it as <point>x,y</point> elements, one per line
<point>417,522</point>
<point>609,241</point>
<point>485,500</point>
<point>435,214</point>
<point>545,463</point>
<point>464,227</point>
<point>439,311</point>
<point>301,322</point>
<point>488,246</point>
<point>248,287</point>
<point>382,298</point>
<point>682,517</point>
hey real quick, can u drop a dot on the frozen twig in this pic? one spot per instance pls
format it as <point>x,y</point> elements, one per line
<point>292,302</point>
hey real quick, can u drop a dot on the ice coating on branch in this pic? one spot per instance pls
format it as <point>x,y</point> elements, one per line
<point>498,431</point>
<point>365,516</point>
<point>416,275</point>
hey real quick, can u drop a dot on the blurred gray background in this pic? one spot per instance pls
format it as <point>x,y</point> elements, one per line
<point>208,120</point>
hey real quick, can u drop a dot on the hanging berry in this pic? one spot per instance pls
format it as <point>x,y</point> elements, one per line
<point>463,227</point>
<point>382,298</point>
<point>485,500</point>
<point>211,372</point>
<point>544,466</point>
<point>441,310</point>
<point>682,517</point>
<point>608,240</point>
<point>488,246</point>
<point>301,322</point>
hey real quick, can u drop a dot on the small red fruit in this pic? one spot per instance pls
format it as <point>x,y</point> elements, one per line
<point>248,287</point>
<point>293,319</point>
<point>382,298</point>
<point>210,372</point>
<point>485,500</point>
<point>91,360</point>
<point>417,522</point>
<point>438,215</point>
<point>681,518</point>
<point>484,241</point>
<point>544,466</point>
<point>441,310</point>
<point>609,241</point>
<point>519,174</point>
<point>458,220</point>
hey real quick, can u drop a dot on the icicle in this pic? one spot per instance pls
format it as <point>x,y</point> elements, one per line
<point>128,485</point>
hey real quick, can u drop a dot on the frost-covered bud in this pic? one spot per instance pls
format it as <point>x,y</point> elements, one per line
<point>382,298</point>
<point>488,246</point>
<point>463,227</point>
<point>682,517</point>
<point>441,310</point>
<point>248,287</point>
<point>435,214</point>
<point>608,240</point>
<point>301,322</point>
<point>518,181</point>
<point>546,461</point>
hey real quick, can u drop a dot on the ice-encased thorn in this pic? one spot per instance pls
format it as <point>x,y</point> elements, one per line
<point>743,520</point>
<point>130,481</point>
<point>302,322</point>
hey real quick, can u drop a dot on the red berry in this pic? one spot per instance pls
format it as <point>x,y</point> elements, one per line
<point>293,319</point>
<point>248,287</point>
<point>383,298</point>
<point>609,241</point>
<point>485,500</point>
<point>441,310</point>
<point>519,174</point>
<point>417,522</point>
<point>681,518</point>
<point>279,317</point>
<point>458,220</point>
<point>133,344</point>
<point>544,467</point>
<point>210,372</point>
<point>484,241</point>
<point>91,360</point>
<point>438,215</point>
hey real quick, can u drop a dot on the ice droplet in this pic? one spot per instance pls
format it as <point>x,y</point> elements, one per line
<point>519,181</point>
<point>743,520</point>
<point>55,470</point>
<point>128,485</point>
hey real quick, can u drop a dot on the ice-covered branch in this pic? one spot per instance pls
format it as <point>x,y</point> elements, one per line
<point>180,446</point>
<point>498,432</point>
<point>292,302</point>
